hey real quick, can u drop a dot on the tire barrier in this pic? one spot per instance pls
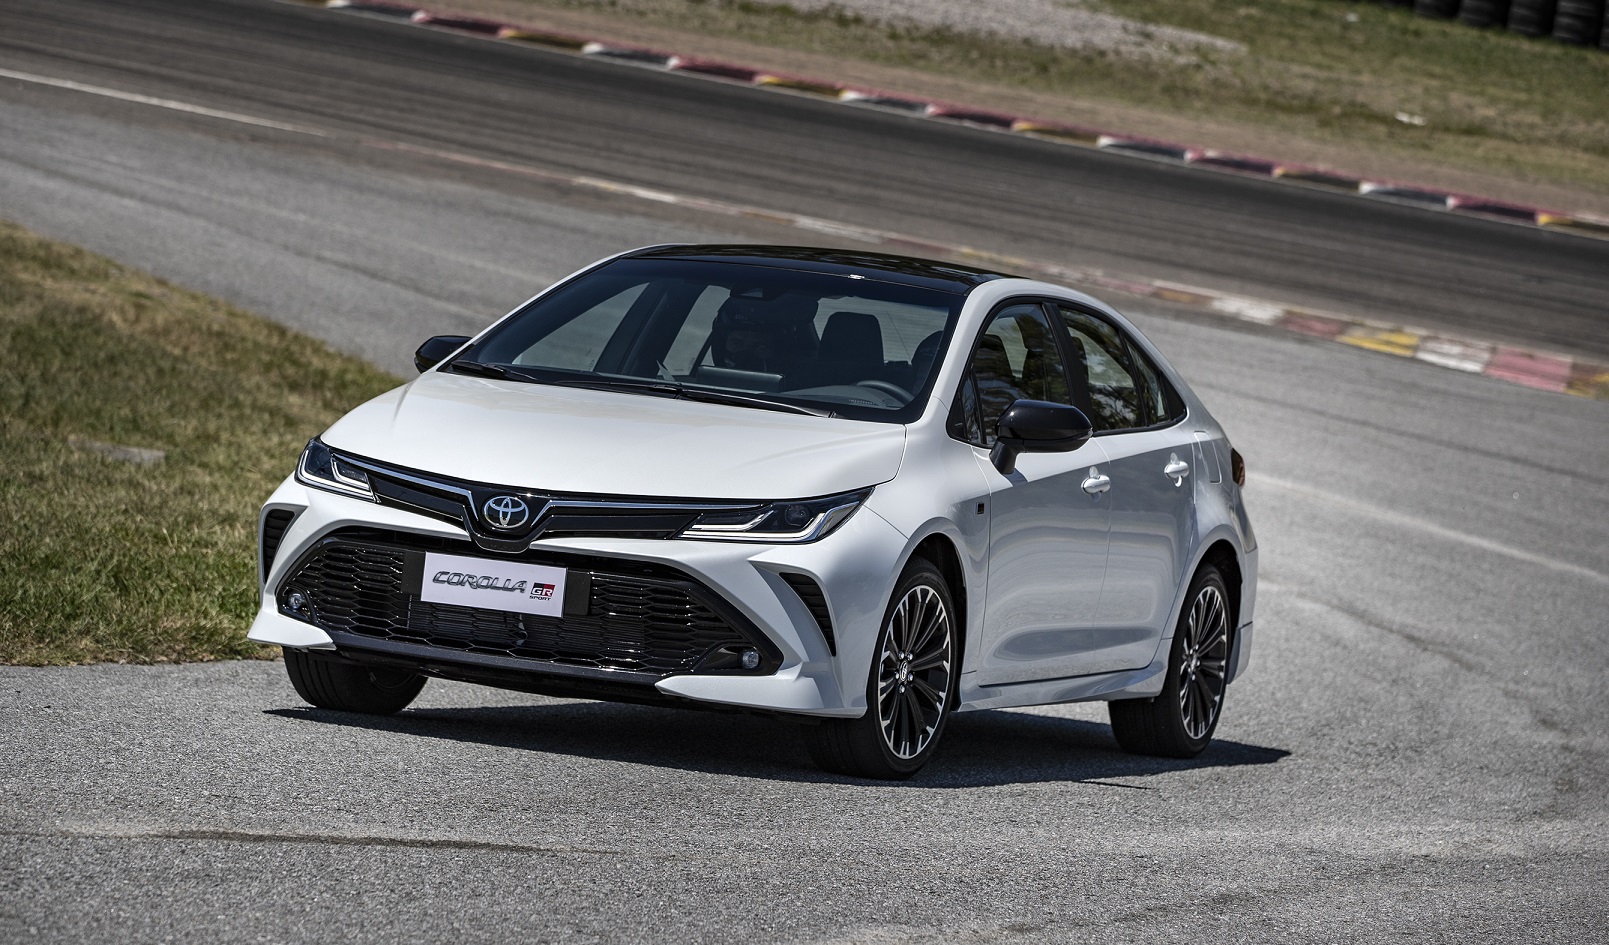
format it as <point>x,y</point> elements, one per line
<point>1484,13</point>
<point>1531,17</point>
<point>1440,9</point>
<point>1578,22</point>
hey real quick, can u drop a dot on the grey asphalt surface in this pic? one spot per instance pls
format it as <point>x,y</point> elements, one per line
<point>1418,754</point>
<point>793,153</point>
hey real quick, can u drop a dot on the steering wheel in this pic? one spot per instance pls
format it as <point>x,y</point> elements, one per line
<point>893,390</point>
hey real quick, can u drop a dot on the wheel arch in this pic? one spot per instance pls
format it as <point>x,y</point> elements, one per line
<point>1222,555</point>
<point>941,550</point>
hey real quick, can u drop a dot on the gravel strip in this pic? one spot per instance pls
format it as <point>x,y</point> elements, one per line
<point>1068,24</point>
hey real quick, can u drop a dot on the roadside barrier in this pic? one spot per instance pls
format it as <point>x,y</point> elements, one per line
<point>1484,12</point>
<point>1578,22</point>
<point>1441,9</point>
<point>1531,17</point>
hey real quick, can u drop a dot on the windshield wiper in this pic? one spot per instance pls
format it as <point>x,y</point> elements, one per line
<point>673,388</point>
<point>660,388</point>
<point>486,369</point>
<point>742,400</point>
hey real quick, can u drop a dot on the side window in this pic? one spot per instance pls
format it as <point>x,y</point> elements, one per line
<point>1116,398</point>
<point>1016,358</point>
<point>1161,401</point>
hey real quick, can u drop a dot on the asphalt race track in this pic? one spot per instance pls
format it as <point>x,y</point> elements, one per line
<point>1419,753</point>
<point>792,153</point>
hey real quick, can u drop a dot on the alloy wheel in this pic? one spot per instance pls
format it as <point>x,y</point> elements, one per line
<point>1203,662</point>
<point>913,675</point>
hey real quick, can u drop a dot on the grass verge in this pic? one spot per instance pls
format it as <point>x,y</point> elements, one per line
<point>1321,80</point>
<point>105,559</point>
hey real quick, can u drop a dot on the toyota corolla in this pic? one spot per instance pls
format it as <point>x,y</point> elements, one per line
<point>864,491</point>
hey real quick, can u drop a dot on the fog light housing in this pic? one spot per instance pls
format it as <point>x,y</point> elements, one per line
<point>737,658</point>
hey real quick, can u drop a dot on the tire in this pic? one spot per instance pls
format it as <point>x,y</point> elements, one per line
<point>1179,722</point>
<point>349,687</point>
<point>910,690</point>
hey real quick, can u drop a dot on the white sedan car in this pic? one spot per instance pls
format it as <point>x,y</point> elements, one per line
<point>861,490</point>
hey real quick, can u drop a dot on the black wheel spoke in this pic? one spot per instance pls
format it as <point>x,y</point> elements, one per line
<point>927,697</point>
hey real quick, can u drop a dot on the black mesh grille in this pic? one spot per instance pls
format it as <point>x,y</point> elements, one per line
<point>810,592</point>
<point>636,622</point>
<point>274,525</point>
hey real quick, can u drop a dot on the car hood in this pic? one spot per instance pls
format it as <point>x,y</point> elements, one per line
<point>557,439</point>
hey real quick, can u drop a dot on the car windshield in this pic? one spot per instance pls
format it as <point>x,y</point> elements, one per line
<point>757,336</point>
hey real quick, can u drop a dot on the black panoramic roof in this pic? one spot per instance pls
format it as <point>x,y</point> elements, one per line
<point>906,270</point>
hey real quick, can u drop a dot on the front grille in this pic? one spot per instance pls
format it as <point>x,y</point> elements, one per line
<point>462,502</point>
<point>619,616</point>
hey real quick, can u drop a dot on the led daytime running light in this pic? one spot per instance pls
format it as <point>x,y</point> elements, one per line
<point>790,522</point>
<point>322,469</point>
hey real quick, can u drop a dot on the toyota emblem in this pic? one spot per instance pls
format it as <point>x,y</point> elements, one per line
<point>505,511</point>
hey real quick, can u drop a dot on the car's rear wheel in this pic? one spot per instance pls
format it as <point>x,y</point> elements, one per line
<point>1179,722</point>
<point>911,689</point>
<point>330,683</point>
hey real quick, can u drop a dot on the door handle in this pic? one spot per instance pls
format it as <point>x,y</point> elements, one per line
<point>1097,483</point>
<point>1176,469</point>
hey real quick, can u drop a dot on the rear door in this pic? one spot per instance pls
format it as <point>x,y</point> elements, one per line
<point>1150,457</point>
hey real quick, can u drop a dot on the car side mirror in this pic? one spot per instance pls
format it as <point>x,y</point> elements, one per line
<point>431,352</point>
<point>1037,426</point>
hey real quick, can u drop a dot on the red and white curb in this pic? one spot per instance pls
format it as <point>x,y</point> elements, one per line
<point>1583,224</point>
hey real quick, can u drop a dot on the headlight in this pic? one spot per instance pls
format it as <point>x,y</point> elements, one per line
<point>791,522</point>
<point>322,469</point>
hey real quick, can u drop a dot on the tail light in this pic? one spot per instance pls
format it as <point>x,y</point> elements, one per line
<point>1237,467</point>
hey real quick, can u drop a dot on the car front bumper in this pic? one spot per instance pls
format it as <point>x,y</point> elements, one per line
<point>854,566</point>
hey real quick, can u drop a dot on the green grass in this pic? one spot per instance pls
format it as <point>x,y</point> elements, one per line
<point>1493,101</point>
<point>105,560</point>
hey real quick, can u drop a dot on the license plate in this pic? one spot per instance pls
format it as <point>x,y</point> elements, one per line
<point>493,585</point>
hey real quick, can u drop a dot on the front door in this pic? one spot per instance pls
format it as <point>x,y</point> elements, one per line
<point>1049,517</point>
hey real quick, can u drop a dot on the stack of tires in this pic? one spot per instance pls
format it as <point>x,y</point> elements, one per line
<point>1578,22</point>
<point>1440,9</point>
<point>1483,12</point>
<point>1531,17</point>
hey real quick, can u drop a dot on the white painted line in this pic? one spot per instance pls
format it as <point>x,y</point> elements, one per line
<point>167,103</point>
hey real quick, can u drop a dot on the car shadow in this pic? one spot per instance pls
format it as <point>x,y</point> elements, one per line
<point>980,749</point>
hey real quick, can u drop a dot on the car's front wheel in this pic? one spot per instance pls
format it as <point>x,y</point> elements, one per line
<point>1179,722</point>
<point>330,683</point>
<point>911,689</point>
